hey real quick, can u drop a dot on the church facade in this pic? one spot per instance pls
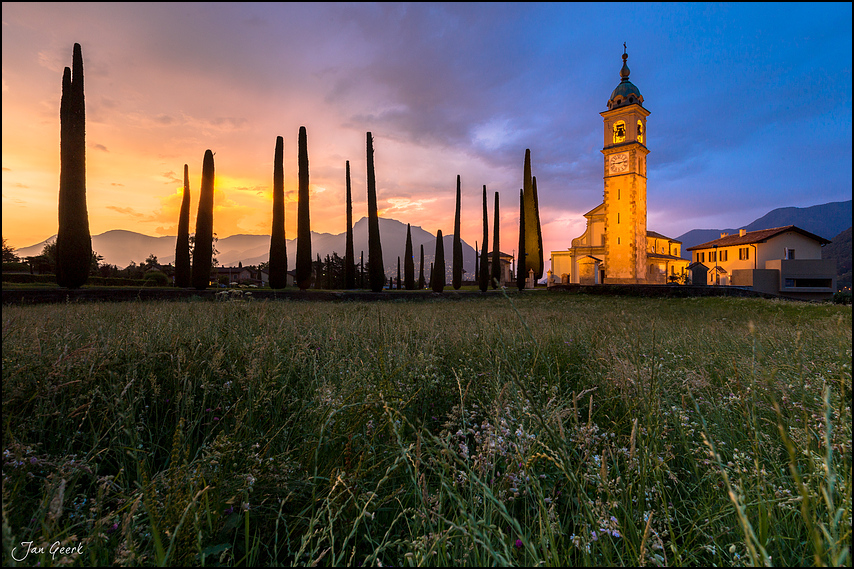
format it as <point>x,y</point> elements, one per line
<point>616,247</point>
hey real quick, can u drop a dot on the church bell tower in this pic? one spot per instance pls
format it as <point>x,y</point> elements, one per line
<point>625,155</point>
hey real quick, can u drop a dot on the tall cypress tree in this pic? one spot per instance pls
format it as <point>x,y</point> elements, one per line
<point>496,254</point>
<point>349,257</point>
<point>421,281</point>
<point>538,270</point>
<point>532,244</point>
<point>398,273</point>
<point>73,241</point>
<point>203,248</point>
<point>376,268</point>
<point>457,260</point>
<point>483,277</point>
<point>408,262</point>
<point>439,264</point>
<point>476,263</point>
<point>182,245</point>
<point>521,270</point>
<point>278,248</point>
<point>303,270</point>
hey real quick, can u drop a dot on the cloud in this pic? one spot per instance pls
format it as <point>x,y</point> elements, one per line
<point>125,211</point>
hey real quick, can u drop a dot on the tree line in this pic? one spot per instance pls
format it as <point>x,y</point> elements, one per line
<point>193,264</point>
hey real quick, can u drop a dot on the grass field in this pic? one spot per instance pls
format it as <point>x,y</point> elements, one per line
<point>531,429</point>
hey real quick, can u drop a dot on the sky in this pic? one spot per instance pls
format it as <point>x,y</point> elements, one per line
<point>750,110</point>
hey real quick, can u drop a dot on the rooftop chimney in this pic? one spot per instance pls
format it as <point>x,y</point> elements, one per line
<point>724,235</point>
<point>741,232</point>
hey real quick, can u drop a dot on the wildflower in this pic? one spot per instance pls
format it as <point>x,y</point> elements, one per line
<point>216,418</point>
<point>518,543</point>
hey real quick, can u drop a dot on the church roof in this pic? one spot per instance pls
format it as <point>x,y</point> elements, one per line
<point>755,237</point>
<point>626,92</point>
<point>655,235</point>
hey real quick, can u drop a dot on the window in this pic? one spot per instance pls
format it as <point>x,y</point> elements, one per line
<point>743,253</point>
<point>618,240</point>
<point>618,218</point>
<point>640,132</point>
<point>790,254</point>
<point>619,132</point>
<point>701,257</point>
<point>723,256</point>
<point>713,256</point>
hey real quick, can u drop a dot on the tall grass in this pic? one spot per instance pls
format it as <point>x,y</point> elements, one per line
<point>556,430</point>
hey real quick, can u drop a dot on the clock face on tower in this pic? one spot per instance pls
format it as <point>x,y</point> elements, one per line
<point>618,163</point>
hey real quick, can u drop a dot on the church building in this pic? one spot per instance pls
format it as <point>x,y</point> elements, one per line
<point>616,247</point>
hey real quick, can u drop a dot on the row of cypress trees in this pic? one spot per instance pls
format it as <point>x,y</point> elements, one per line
<point>74,244</point>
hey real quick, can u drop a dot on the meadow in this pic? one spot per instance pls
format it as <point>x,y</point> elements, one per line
<point>529,429</point>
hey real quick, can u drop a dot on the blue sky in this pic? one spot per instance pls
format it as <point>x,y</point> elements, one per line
<point>750,109</point>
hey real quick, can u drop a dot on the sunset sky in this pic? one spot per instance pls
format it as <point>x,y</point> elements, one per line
<point>750,110</point>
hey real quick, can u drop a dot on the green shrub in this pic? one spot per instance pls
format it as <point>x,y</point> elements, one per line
<point>154,277</point>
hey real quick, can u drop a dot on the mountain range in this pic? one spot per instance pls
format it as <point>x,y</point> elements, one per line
<point>826,220</point>
<point>119,247</point>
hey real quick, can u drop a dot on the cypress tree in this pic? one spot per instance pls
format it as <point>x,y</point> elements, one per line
<point>457,261</point>
<point>439,265</point>
<point>521,271</point>
<point>349,257</point>
<point>408,262</point>
<point>421,282</point>
<point>398,273</point>
<point>538,270</point>
<point>362,269</point>
<point>483,277</point>
<point>476,262</point>
<point>496,254</point>
<point>73,241</point>
<point>533,251</point>
<point>432,275</point>
<point>318,272</point>
<point>375,250</point>
<point>303,271</point>
<point>182,246</point>
<point>278,266</point>
<point>203,248</point>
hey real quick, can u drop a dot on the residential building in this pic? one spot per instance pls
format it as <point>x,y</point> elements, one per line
<point>783,260</point>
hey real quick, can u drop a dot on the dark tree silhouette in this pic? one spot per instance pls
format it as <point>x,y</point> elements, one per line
<point>483,277</point>
<point>182,245</point>
<point>349,256</point>
<point>476,263</point>
<point>421,281</point>
<point>457,261</point>
<point>73,241</point>
<point>376,268</point>
<point>203,244</point>
<point>538,270</point>
<point>533,252</point>
<point>408,262</point>
<point>318,273</point>
<point>439,264</point>
<point>278,247</point>
<point>398,273</point>
<point>521,271</point>
<point>496,253</point>
<point>303,270</point>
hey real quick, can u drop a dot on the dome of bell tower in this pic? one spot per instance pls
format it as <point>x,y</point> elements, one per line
<point>626,92</point>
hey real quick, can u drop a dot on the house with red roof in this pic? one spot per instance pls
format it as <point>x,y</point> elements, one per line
<point>785,261</point>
